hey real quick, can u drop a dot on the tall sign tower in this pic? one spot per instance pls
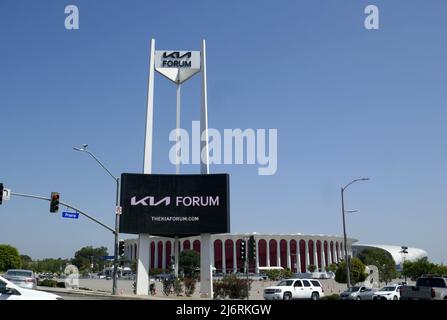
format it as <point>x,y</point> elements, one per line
<point>177,66</point>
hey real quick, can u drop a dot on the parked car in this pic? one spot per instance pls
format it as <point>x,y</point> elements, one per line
<point>10,291</point>
<point>23,278</point>
<point>426,288</point>
<point>357,293</point>
<point>391,292</point>
<point>289,289</point>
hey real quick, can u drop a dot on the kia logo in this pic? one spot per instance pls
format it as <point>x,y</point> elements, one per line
<point>176,55</point>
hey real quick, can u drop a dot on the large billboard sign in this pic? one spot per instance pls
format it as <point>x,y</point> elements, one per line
<point>175,205</point>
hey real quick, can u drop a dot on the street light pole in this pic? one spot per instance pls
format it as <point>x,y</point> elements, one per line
<point>117,215</point>
<point>348,273</point>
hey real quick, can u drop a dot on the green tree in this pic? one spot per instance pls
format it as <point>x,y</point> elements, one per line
<point>9,258</point>
<point>27,262</point>
<point>417,268</point>
<point>311,267</point>
<point>189,261</point>
<point>357,272</point>
<point>84,257</point>
<point>382,260</point>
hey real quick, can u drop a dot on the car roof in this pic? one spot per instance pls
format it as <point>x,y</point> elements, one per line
<point>300,279</point>
<point>19,270</point>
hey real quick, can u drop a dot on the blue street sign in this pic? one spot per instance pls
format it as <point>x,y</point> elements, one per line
<point>70,215</point>
<point>108,257</point>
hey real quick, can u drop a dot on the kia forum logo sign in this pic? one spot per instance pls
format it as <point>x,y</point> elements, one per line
<point>175,205</point>
<point>177,66</point>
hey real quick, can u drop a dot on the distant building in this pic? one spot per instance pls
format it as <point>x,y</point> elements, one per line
<point>293,251</point>
<point>396,252</point>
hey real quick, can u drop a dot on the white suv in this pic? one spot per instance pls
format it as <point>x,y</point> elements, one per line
<point>295,289</point>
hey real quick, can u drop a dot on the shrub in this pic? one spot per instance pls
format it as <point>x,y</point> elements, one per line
<point>47,283</point>
<point>60,284</point>
<point>286,273</point>
<point>311,268</point>
<point>232,287</point>
<point>273,275</point>
<point>168,286</point>
<point>178,286</point>
<point>190,286</point>
<point>331,297</point>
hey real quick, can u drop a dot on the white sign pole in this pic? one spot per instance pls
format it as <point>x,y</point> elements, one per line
<point>206,263</point>
<point>177,165</point>
<point>143,267</point>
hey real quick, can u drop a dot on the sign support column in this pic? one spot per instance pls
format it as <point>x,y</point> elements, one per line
<point>206,276</point>
<point>143,267</point>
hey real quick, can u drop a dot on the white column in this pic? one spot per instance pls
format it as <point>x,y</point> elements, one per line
<point>330,254</point>
<point>315,255</point>
<point>288,255</point>
<point>206,263</point>
<point>278,253</point>
<point>143,265</point>
<point>163,254</point>
<point>156,255</point>
<point>206,276</point>
<point>323,258</point>
<point>268,252</point>
<point>234,256</point>
<point>257,255</point>
<point>176,255</point>
<point>224,262</point>
<point>298,257</point>
<point>306,249</point>
<point>142,285</point>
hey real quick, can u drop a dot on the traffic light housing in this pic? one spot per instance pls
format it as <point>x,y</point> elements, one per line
<point>121,248</point>
<point>1,193</point>
<point>54,203</point>
<point>243,251</point>
<point>252,249</point>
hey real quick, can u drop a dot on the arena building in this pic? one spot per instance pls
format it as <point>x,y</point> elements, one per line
<point>293,251</point>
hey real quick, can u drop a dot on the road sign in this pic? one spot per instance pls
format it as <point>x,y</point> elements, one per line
<point>6,194</point>
<point>108,257</point>
<point>70,215</point>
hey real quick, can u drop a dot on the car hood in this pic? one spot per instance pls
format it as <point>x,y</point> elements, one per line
<point>37,294</point>
<point>383,292</point>
<point>274,287</point>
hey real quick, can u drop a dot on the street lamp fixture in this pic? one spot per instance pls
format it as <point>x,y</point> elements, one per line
<point>117,217</point>
<point>348,274</point>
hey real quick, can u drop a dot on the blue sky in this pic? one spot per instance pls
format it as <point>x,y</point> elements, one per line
<point>347,103</point>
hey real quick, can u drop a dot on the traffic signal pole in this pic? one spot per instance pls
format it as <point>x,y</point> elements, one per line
<point>66,205</point>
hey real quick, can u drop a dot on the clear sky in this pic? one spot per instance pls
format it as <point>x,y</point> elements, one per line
<point>347,103</point>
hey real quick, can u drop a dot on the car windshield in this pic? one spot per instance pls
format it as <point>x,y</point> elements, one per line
<point>431,282</point>
<point>353,289</point>
<point>286,283</point>
<point>388,289</point>
<point>19,273</point>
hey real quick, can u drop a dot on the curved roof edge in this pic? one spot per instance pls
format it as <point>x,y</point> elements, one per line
<point>395,251</point>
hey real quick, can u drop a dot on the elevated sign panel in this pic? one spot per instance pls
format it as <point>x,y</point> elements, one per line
<point>175,205</point>
<point>177,66</point>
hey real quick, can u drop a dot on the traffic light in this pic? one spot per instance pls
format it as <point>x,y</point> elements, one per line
<point>54,205</point>
<point>1,193</point>
<point>252,249</point>
<point>243,251</point>
<point>121,248</point>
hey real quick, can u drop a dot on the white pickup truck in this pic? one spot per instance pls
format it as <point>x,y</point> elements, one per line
<point>426,288</point>
<point>289,289</point>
